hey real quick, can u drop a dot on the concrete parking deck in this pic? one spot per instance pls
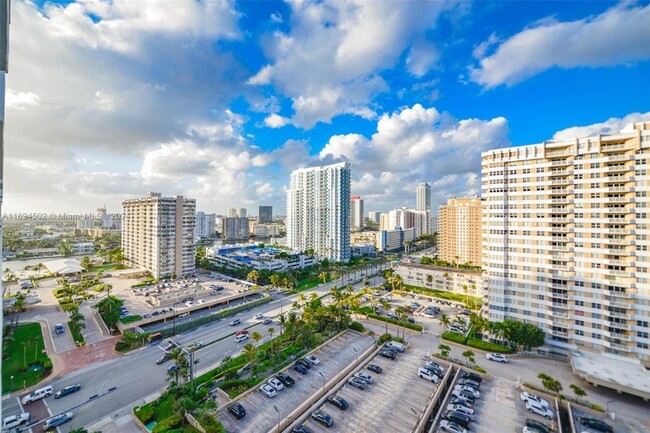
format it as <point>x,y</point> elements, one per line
<point>261,417</point>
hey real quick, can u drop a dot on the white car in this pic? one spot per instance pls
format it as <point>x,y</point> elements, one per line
<point>189,303</point>
<point>268,390</point>
<point>428,375</point>
<point>15,420</point>
<point>241,337</point>
<point>497,357</point>
<point>468,390</point>
<point>462,409</point>
<point>313,359</point>
<point>258,316</point>
<point>275,383</point>
<point>540,410</point>
<point>363,376</point>
<point>526,396</point>
<point>452,427</point>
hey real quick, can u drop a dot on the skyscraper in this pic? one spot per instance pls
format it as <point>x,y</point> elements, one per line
<point>423,197</point>
<point>205,226</point>
<point>566,240</point>
<point>459,238</point>
<point>318,211</point>
<point>234,228</point>
<point>158,234</point>
<point>356,213</point>
<point>265,215</point>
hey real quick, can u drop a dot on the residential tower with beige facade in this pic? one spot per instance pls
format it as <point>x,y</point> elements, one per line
<point>459,231</point>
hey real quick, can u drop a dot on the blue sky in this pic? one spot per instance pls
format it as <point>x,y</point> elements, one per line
<point>221,100</point>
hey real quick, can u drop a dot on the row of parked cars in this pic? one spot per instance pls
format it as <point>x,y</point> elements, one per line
<point>22,419</point>
<point>460,412</point>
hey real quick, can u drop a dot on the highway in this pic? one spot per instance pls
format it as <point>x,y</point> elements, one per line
<point>136,375</point>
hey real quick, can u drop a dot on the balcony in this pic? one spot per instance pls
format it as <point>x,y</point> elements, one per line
<point>561,220</point>
<point>620,273</point>
<point>561,248</point>
<point>618,325</point>
<point>560,333</point>
<point>619,157</point>
<point>560,163</point>
<point>618,210</point>
<point>560,181</point>
<point>614,147</point>
<point>618,252</point>
<point>619,199</point>
<point>557,153</point>
<point>560,229</point>
<point>562,200</point>
<point>563,191</point>
<point>619,189</point>
<point>614,262</point>
<point>620,295</point>
<point>619,231</point>
<point>621,220</point>
<point>617,179</point>
<point>559,295</point>
<point>618,346</point>
<point>618,304</point>
<point>560,172</point>
<point>617,168</point>
<point>559,209</point>
<point>624,242</point>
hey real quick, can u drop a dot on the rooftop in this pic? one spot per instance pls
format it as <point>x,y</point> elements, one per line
<point>622,374</point>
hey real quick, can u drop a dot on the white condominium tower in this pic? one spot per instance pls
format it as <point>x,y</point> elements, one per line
<point>423,197</point>
<point>158,234</point>
<point>356,213</point>
<point>318,211</point>
<point>565,240</point>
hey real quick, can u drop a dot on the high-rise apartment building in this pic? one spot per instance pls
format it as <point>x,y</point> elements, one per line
<point>318,211</point>
<point>566,244</point>
<point>265,215</point>
<point>406,219</point>
<point>459,235</point>
<point>356,213</point>
<point>158,234</point>
<point>374,216</point>
<point>234,228</point>
<point>423,197</point>
<point>205,226</point>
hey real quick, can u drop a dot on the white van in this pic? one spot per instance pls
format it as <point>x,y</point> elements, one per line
<point>38,394</point>
<point>241,337</point>
<point>396,345</point>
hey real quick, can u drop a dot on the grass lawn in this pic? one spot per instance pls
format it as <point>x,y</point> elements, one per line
<point>77,337</point>
<point>107,267</point>
<point>23,347</point>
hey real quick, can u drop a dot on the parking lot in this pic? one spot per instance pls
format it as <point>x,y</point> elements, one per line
<point>392,403</point>
<point>619,425</point>
<point>260,413</point>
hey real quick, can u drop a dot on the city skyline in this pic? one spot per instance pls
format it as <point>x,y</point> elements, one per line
<point>417,102</point>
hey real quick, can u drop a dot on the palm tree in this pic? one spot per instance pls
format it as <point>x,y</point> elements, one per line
<point>249,351</point>
<point>292,320</point>
<point>386,307</point>
<point>323,277</point>
<point>445,321</point>
<point>253,276</point>
<point>283,320</point>
<point>271,331</point>
<point>275,280</point>
<point>257,337</point>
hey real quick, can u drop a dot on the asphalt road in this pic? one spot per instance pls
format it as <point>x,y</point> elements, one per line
<point>136,375</point>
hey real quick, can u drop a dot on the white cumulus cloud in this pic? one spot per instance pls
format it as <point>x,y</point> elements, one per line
<point>610,126</point>
<point>276,121</point>
<point>617,36</point>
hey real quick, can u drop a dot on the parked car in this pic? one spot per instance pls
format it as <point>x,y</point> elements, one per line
<point>286,380</point>
<point>469,390</point>
<point>539,409</point>
<point>469,382</point>
<point>169,346</point>
<point>467,402</point>
<point>387,354</point>
<point>267,321</point>
<point>462,409</point>
<point>235,322</point>
<point>526,396</point>
<point>435,370</point>
<point>395,346</point>
<point>458,418</point>
<point>172,368</point>
<point>59,328</point>
<point>497,357</point>
<point>299,368</point>
<point>363,376</point>
<point>15,420</point>
<point>374,367</point>
<point>428,375</point>
<point>57,420</point>
<point>301,428</point>
<point>323,418</point>
<point>304,363</point>
<point>237,410</point>
<point>475,377</point>
<point>357,383</point>
<point>337,401</point>
<point>312,359</point>
<point>596,424</point>
<point>163,359</point>
<point>268,390</point>
<point>451,427</point>
<point>67,390</point>
<point>534,426</point>
<point>275,383</point>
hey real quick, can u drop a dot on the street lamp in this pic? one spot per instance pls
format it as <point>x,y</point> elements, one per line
<point>357,354</point>
<point>12,383</point>
<point>321,375</point>
<point>278,412</point>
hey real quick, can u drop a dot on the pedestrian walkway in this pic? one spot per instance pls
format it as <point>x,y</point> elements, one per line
<point>82,357</point>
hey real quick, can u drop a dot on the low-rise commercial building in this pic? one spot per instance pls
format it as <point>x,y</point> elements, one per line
<point>361,250</point>
<point>461,281</point>
<point>83,248</point>
<point>255,257</point>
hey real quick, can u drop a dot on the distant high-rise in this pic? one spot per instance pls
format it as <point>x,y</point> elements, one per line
<point>459,237</point>
<point>158,234</point>
<point>318,211</point>
<point>265,215</point>
<point>242,212</point>
<point>407,219</point>
<point>423,197</point>
<point>205,225</point>
<point>236,212</point>
<point>356,213</point>
<point>234,228</point>
<point>374,216</point>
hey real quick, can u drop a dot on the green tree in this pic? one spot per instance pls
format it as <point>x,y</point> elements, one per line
<point>445,321</point>
<point>271,331</point>
<point>323,277</point>
<point>551,384</point>
<point>579,392</point>
<point>86,263</point>
<point>253,276</point>
<point>469,356</point>
<point>250,351</point>
<point>109,309</point>
<point>444,350</point>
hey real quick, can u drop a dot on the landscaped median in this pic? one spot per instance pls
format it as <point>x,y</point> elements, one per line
<point>475,343</point>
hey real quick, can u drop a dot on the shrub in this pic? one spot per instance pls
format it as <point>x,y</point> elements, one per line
<point>453,336</point>
<point>356,326</point>
<point>210,424</point>
<point>168,423</point>
<point>479,369</point>
<point>384,338</point>
<point>47,364</point>
<point>144,413</point>
<point>121,346</point>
